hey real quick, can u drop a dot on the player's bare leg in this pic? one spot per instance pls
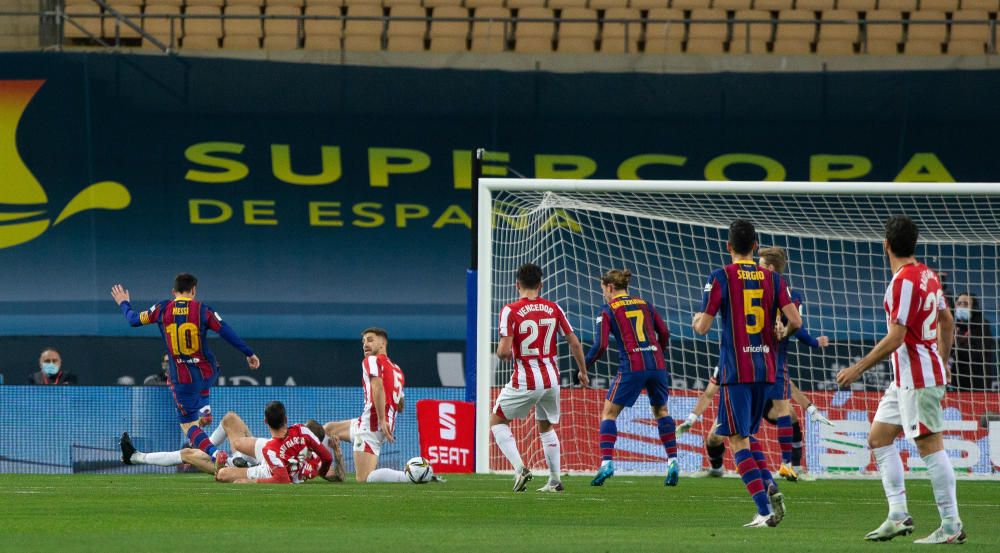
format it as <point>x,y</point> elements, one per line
<point>341,430</point>
<point>230,474</point>
<point>201,440</point>
<point>608,436</point>
<point>551,449</point>
<point>931,449</point>
<point>500,427</point>
<point>194,457</point>
<point>364,465</point>
<point>781,413</point>
<point>882,441</point>
<point>667,430</point>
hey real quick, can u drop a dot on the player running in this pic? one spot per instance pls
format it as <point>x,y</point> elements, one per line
<point>919,338</point>
<point>748,298</point>
<point>528,330</point>
<point>184,323</point>
<point>384,400</point>
<point>715,445</point>
<point>642,338</point>
<point>293,454</point>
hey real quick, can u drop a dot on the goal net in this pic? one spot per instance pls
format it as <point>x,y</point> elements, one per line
<point>671,235</point>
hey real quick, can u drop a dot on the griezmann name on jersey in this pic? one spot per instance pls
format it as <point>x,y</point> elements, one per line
<point>641,334</point>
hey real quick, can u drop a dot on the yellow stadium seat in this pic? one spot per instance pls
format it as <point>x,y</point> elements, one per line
<point>834,47</point>
<point>935,30</point>
<point>406,35</point>
<point>534,36</point>
<point>491,29</point>
<point>621,37</point>
<point>666,36</point>
<point>242,27</point>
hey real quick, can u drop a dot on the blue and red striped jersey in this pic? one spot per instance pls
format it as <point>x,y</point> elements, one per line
<point>641,334</point>
<point>184,323</point>
<point>748,298</point>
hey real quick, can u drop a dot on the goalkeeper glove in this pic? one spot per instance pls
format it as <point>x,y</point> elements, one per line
<point>816,416</point>
<point>687,424</point>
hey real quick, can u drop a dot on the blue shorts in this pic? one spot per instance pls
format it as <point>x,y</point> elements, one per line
<point>741,406</point>
<point>782,388</point>
<point>628,385</point>
<point>192,400</point>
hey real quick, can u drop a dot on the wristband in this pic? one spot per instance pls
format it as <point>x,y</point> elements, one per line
<point>811,409</point>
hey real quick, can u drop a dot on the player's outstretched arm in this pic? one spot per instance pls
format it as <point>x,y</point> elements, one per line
<point>702,323</point>
<point>121,296</point>
<point>887,345</point>
<point>814,414</point>
<point>601,342</point>
<point>699,408</point>
<point>576,350</point>
<point>229,335</point>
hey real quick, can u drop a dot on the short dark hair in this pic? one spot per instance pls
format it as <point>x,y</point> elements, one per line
<point>316,428</point>
<point>901,233</point>
<point>742,236</point>
<point>376,331</point>
<point>274,415</point>
<point>529,275</point>
<point>185,282</point>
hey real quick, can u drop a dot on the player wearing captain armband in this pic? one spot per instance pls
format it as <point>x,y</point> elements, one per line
<point>382,381</point>
<point>748,298</point>
<point>184,323</point>
<point>919,339</point>
<point>528,329</point>
<point>642,339</point>
<point>293,454</point>
<point>715,445</point>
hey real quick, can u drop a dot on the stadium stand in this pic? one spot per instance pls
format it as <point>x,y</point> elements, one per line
<point>620,37</point>
<point>664,37</point>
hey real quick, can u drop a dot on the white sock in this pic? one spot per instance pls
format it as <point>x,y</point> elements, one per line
<point>550,445</point>
<point>160,458</point>
<point>890,465</point>
<point>218,435</point>
<point>387,475</point>
<point>507,444</point>
<point>943,483</point>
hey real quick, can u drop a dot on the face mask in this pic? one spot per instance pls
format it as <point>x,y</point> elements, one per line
<point>50,368</point>
<point>963,313</point>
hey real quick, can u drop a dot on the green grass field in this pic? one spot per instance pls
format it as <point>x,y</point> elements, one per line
<point>471,513</point>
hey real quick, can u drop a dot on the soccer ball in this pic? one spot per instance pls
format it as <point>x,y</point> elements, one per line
<point>419,470</point>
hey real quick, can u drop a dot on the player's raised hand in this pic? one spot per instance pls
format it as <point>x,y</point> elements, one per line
<point>584,379</point>
<point>816,416</point>
<point>846,376</point>
<point>120,294</point>
<point>254,362</point>
<point>683,427</point>
<point>386,431</point>
<point>823,341</point>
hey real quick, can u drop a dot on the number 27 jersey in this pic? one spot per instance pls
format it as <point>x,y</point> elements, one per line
<point>533,325</point>
<point>913,299</point>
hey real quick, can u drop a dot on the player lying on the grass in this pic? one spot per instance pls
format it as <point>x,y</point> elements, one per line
<point>748,298</point>
<point>293,454</point>
<point>382,381</point>
<point>528,329</point>
<point>919,339</point>
<point>715,445</point>
<point>184,323</point>
<point>642,339</point>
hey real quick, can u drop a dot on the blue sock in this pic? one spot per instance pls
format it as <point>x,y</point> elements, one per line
<point>199,439</point>
<point>668,435</point>
<point>609,435</point>
<point>785,438</point>
<point>758,456</point>
<point>751,479</point>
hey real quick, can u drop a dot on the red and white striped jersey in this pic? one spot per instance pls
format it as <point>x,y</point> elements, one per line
<point>300,452</point>
<point>913,299</point>
<point>382,367</point>
<point>533,325</point>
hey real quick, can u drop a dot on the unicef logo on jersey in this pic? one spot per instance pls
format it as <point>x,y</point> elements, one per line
<point>757,349</point>
<point>24,205</point>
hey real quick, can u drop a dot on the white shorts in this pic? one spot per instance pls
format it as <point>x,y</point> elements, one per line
<point>516,403</point>
<point>918,410</point>
<point>258,449</point>
<point>258,472</point>
<point>366,440</point>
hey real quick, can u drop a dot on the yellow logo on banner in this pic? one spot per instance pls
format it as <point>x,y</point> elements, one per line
<point>24,209</point>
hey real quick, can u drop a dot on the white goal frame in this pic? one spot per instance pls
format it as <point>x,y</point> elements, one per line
<point>484,235</point>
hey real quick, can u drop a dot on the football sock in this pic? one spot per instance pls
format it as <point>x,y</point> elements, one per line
<point>751,479</point>
<point>159,458</point>
<point>200,440</point>
<point>387,475</point>
<point>608,437</point>
<point>550,445</point>
<point>218,436</point>
<point>508,446</point>
<point>715,453</point>
<point>943,483</point>
<point>668,436</point>
<point>796,444</point>
<point>890,466</point>
<point>757,452</point>
<point>785,438</point>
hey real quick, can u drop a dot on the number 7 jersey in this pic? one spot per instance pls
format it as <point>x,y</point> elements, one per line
<point>913,299</point>
<point>533,323</point>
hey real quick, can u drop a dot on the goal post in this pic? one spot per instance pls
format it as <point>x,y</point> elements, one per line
<point>671,235</point>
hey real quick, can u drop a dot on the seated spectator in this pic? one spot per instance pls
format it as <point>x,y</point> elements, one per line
<point>160,378</point>
<point>973,366</point>
<point>50,370</point>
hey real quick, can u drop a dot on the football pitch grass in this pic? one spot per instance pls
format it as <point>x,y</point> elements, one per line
<point>139,513</point>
